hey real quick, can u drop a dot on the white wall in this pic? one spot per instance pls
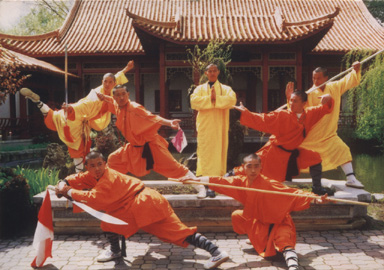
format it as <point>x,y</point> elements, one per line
<point>5,109</point>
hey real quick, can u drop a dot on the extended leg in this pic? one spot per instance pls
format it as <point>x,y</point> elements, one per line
<point>351,179</point>
<point>218,256</point>
<point>114,250</point>
<point>291,258</point>
<point>316,172</point>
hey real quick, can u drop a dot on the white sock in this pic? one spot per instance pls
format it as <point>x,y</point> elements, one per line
<point>197,187</point>
<point>79,166</point>
<point>44,108</point>
<point>348,170</point>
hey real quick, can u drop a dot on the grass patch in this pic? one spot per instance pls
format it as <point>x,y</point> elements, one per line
<point>176,190</point>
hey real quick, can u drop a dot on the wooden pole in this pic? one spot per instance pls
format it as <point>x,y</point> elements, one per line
<point>268,191</point>
<point>334,78</point>
<point>342,73</point>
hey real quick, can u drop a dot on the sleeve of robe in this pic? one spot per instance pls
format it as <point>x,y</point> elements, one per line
<point>314,114</point>
<point>81,181</point>
<point>291,203</point>
<point>264,122</point>
<point>227,100</point>
<point>200,100</point>
<point>351,80</point>
<point>238,195</point>
<point>98,197</point>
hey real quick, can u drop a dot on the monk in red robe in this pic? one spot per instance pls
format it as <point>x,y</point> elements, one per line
<point>266,217</point>
<point>281,156</point>
<point>145,148</point>
<point>128,199</point>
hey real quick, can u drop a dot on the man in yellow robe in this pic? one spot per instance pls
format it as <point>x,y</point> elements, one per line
<point>87,113</point>
<point>323,136</point>
<point>213,101</point>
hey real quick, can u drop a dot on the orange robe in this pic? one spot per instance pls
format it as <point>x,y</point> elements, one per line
<point>287,132</point>
<point>127,198</point>
<point>140,126</point>
<point>265,218</point>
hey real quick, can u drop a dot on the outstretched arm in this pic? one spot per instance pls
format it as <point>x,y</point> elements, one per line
<point>174,124</point>
<point>128,67</point>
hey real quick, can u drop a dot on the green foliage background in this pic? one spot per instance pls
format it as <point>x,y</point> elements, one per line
<point>367,100</point>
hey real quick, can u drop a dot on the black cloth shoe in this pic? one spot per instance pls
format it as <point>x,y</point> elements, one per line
<point>322,191</point>
<point>211,193</point>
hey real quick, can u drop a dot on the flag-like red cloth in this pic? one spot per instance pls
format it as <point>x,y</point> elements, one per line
<point>180,141</point>
<point>43,238</point>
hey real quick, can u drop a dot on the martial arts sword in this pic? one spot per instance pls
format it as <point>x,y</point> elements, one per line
<point>97,214</point>
<point>268,191</point>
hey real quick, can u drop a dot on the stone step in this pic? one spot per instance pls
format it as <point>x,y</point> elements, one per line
<point>214,214</point>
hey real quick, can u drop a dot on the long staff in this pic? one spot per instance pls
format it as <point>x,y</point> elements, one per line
<point>342,73</point>
<point>334,78</point>
<point>67,132</point>
<point>268,191</point>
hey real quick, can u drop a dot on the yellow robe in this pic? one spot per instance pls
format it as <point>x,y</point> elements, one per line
<point>85,109</point>
<point>212,124</point>
<point>323,136</point>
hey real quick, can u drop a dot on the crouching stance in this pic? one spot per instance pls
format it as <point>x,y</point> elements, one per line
<point>127,198</point>
<point>266,217</point>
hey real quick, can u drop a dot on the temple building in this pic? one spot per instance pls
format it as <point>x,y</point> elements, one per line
<point>274,41</point>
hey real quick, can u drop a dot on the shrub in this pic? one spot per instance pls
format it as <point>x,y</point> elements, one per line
<point>16,211</point>
<point>38,180</point>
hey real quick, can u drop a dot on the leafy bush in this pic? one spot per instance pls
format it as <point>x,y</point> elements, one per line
<point>16,211</point>
<point>367,100</point>
<point>38,180</point>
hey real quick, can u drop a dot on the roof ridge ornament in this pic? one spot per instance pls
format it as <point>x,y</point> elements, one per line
<point>328,16</point>
<point>139,19</point>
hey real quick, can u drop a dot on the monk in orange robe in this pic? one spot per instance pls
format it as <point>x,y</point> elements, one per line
<point>281,156</point>
<point>128,199</point>
<point>74,126</point>
<point>146,149</point>
<point>266,217</point>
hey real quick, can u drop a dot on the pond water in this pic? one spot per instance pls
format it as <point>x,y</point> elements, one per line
<point>369,169</point>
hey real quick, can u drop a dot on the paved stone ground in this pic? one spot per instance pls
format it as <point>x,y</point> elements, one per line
<point>330,250</point>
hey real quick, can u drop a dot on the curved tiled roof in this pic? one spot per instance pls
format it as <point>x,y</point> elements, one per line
<point>238,21</point>
<point>92,27</point>
<point>29,63</point>
<point>96,27</point>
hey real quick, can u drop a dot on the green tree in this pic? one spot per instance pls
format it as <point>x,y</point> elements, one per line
<point>376,8</point>
<point>367,100</point>
<point>46,16</point>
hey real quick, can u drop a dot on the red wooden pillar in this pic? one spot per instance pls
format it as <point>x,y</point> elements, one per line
<point>137,82</point>
<point>299,69</point>
<point>163,90</point>
<point>265,77</point>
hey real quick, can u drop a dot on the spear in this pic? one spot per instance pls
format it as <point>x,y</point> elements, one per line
<point>67,131</point>
<point>268,191</point>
